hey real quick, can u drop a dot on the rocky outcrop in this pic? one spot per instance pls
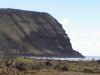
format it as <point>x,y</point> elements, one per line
<point>33,33</point>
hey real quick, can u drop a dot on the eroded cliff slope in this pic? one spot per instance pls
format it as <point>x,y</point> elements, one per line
<point>33,33</point>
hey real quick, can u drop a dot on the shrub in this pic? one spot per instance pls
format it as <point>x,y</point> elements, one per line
<point>48,63</point>
<point>65,68</point>
<point>21,67</point>
<point>87,71</point>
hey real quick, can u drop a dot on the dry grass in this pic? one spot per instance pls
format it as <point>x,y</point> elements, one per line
<point>56,72</point>
<point>24,66</point>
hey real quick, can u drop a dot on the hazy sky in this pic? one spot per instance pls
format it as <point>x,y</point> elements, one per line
<point>80,19</point>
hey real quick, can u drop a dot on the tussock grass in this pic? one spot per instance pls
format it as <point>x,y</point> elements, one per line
<point>24,66</point>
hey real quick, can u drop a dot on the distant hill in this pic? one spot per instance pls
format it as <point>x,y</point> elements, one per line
<point>33,33</point>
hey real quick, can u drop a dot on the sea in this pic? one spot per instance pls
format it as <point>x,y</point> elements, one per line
<point>87,58</point>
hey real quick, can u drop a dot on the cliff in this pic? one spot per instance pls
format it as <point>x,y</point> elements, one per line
<point>33,33</point>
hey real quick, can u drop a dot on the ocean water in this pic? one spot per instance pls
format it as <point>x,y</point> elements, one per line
<point>87,58</point>
<point>93,58</point>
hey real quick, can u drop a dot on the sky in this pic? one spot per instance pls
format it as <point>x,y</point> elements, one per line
<point>79,18</point>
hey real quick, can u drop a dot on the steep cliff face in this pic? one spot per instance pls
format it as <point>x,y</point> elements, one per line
<point>37,33</point>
